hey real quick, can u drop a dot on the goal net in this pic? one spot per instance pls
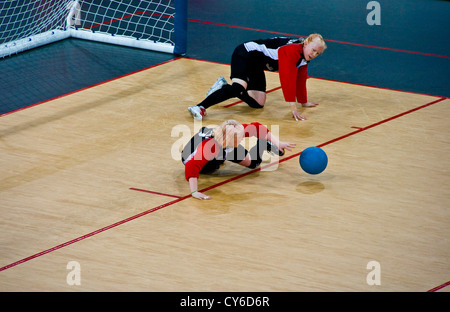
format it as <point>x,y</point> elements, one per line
<point>159,25</point>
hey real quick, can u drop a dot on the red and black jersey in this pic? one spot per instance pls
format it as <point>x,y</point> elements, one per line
<point>284,55</point>
<point>202,148</point>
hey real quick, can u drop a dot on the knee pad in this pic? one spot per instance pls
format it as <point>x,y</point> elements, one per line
<point>240,92</point>
<point>254,163</point>
<point>238,89</point>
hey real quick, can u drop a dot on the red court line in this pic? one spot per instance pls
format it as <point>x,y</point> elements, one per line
<point>327,143</point>
<point>93,233</point>
<point>326,79</point>
<point>271,32</point>
<point>129,15</point>
<point>269,91</point>
<point>439,287</point>
<point>376,87</point>
<point>329,40</point>
<point>152,192</point>
<point>381,122</point>
<point>88,87</point>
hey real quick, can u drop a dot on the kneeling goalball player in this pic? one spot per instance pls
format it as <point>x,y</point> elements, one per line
<point>288,56</point>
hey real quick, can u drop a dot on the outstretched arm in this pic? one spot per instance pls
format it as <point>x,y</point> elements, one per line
<point>282,146</point>
<point>206,151</point>
<point>258,130</point>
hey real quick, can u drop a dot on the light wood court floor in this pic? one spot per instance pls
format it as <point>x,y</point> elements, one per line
<point>90,177</point>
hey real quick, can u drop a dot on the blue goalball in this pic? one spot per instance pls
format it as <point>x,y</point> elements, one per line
<point>313,160</point>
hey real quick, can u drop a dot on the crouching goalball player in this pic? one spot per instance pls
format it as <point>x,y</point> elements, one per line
<point>289,56</point>
<point>210,147</point>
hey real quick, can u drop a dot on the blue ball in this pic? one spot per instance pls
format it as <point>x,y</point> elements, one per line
<point>313,160</point>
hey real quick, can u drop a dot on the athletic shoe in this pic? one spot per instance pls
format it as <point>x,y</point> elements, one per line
<point>217,85</point>
<point>198,112</point>
<point>271,148</point>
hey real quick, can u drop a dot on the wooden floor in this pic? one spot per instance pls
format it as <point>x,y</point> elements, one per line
<point>94,177</point>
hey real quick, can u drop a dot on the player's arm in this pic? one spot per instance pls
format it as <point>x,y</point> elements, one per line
<point>282,146</point>
<point>194,189</point>
<point>206,151</point>
<point>258,130</point>
<point>302,97</point>
<point>287,60</point>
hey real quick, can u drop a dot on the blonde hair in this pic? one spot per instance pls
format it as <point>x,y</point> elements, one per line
<point>229,134</point>
<point>316,38</point>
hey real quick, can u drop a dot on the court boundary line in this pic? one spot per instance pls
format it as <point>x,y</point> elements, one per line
<point>329,40</point>
<point>153,192</point>
<point>200,60</point>
<point>326,79</point>
<point>103,229</point>
<point>351,83</point>
<point>118,223</point>
<point>266,31</point>
<point>327,143</point>
<point>443,285</point>
<point>88,87</point>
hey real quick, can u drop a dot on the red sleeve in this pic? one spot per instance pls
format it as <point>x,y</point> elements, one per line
<point>288,57</point>
<point>255,129</point>
<point>205,151</point>
<point>301,84</point>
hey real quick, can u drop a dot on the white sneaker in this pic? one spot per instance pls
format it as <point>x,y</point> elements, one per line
<point>198,112</point>
<point>217,85</point>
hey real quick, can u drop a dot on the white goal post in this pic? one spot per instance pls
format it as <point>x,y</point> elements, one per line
<point>158,25</point>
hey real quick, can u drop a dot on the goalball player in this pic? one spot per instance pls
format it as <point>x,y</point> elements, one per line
<point>288,56</point>
<point>210,147</point>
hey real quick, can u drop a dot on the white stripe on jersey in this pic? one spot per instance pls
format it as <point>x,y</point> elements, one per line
<point>304,62</point>
<point>253,46</point>
<point>191,155</point>
<point>272,53</point>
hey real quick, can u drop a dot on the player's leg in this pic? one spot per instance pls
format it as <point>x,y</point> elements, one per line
<point>259,96</point>
<point>242,157</point>
<point>255,96</point>
<point>253,158</point>
<point>222,91</point>
<point>221,94</point>
<point>227,91</point>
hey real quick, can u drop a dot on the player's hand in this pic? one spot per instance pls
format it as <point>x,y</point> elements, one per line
<point>286,146</point>
<point>296,115</point>
<point>199,195</point>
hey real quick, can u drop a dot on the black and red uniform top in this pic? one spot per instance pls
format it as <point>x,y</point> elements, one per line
<point>284,55</point>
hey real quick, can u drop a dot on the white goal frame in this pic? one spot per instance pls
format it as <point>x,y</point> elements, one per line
<point>73,29</point>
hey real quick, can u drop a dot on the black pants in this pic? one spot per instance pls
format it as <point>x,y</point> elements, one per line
<point>243,67</point>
